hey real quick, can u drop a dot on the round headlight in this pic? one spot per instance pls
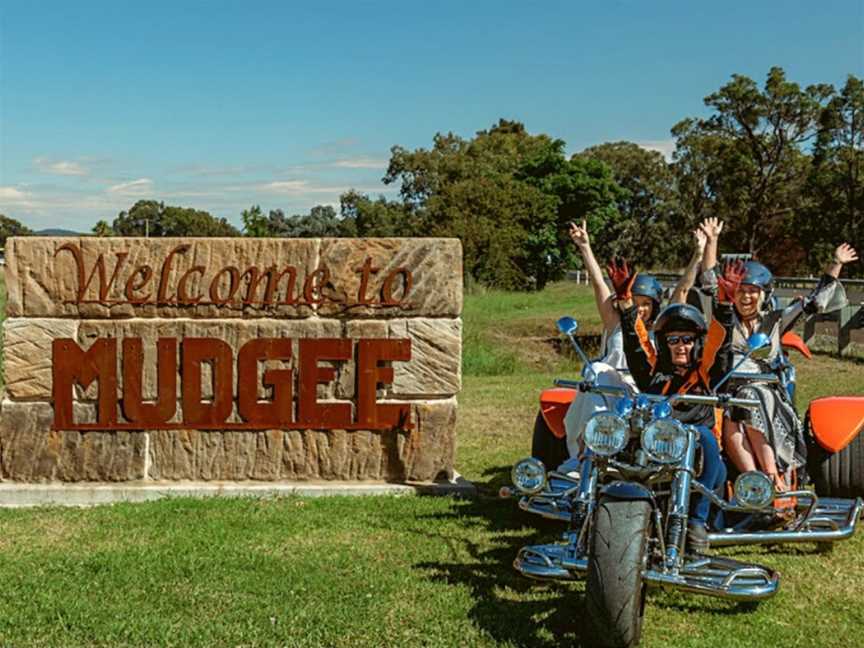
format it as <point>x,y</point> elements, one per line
<point>754,490</point>
<point>665,441</point>
<point>606,434</point>
<point>529,475</point>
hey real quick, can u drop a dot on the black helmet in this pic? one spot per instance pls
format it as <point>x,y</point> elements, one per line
<point>646,285</point>
<point>680,317</point>
<point>757,274</point>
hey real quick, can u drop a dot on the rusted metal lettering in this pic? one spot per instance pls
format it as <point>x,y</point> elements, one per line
<point>134,407</point>
<point>226,285</point>
<point>313,288</point>
<point>84,282</point>
<point>365,271</point>
<point>278,411</point>
<point>132,287</point>
<point>183,297</point>
<point>387,287</point>
<point>72,365</point>
<point>162,295</point>
<point>370,374</point>
<point>309,410</point>
<point>217,353</point>
<point>233,275</point>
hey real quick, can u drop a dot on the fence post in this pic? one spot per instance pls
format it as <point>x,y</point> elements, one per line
<point>809,328</point>
<point>849,317</point>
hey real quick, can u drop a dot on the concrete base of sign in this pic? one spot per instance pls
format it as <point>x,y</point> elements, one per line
<point>19,495</point>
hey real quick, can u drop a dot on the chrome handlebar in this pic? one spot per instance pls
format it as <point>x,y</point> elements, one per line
<point>722,400</point>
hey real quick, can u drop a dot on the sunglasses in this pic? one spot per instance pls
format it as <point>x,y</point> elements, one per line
<point>683,339</point>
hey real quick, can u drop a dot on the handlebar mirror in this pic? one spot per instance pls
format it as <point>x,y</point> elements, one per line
<point>567,325</point>
<point>758,340</point>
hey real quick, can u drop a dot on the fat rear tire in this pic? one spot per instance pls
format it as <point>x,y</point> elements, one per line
<point>546,447</point>
<point>615,592</point>
<point>837,474</point>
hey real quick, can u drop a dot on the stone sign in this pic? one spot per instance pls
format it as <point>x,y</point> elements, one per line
<point>130,359</point>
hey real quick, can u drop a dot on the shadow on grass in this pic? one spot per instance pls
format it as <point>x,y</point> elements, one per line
<point>515,609</point>
<point>507,606</point>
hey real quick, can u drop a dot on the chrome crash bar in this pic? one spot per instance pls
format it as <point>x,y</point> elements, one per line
<point>709,575</point>
<point>831,520</point>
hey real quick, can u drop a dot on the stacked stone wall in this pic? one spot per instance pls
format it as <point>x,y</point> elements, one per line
<point>152,289</point>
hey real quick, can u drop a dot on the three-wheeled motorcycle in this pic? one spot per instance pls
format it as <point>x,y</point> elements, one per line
<point>626,503</point>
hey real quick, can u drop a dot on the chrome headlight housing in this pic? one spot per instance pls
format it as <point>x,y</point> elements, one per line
<point>665,441</point>
<point>529,475</point>
<point>754,490</point>
<point>606,434</point>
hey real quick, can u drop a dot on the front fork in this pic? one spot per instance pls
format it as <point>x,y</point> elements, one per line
<point>679,511</point>
<point>583,503</point>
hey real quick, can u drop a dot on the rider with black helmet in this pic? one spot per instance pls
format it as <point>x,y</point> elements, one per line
<point>691,357</point>
<point>646,290</point>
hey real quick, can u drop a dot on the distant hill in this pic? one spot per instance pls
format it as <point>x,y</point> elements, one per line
<point>56,231</point>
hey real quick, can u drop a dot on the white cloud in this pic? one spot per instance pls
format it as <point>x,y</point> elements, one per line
<point>12,194</point>
<point>361,163</point>
<point>285,187</point>
<point>665,147</point>
<point>139,187</point>
<point>60,167</point>
<point>293,188</point>
<point>14,198</point>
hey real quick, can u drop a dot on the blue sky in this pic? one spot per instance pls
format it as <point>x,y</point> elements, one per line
<point>221,105</point>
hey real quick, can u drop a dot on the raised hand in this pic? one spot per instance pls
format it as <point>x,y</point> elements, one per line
<point>580,234</point>
<point>712,227</point>
<point>700,238</point>
<point>622,278</point>
<point>844,254</point>
<point>730,281</point>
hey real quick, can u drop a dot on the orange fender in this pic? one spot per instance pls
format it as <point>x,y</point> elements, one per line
<point>836,420</point>
<point>554,403</point>
<point>791,340</point>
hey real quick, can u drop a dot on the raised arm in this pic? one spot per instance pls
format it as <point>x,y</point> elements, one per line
<point>712,227</point>
<point>844,254</point>
<point>685,283</point>
<point>602,294</point>
<point>819,298</point>
<point>717,356</point>
<point>640,364</point>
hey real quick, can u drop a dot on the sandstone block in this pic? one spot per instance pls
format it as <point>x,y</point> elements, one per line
<point>27,354</point>
<point>432,443</point>
<point>435,368</point>
<point>277,455</point>
<point>30,451</point>
<point>430,270</point>
<point>92,277</point>
<point>436,358</point>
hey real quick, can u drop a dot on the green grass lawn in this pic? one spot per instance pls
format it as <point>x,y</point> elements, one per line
<point>390,571</point>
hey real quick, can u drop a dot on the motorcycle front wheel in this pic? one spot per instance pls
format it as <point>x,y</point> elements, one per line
<point>615,592</point>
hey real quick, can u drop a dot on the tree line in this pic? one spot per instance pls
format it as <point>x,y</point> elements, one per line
<point>781,164</point>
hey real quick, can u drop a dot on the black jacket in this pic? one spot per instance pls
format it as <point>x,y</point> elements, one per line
<point>713,357</point>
